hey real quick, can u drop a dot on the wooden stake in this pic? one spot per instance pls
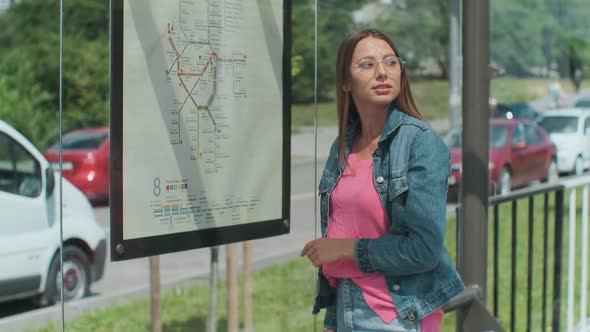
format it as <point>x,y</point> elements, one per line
<point>232,289</point>
<point>248,289</point>
<point>213,279</point>
<point>155,293</point>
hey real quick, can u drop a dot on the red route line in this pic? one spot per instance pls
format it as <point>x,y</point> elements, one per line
<point>180,73</point>
<point>208,62</point>
<point>174,47</point>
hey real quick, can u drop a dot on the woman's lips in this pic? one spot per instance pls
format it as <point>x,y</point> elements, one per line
<point>382,89</point>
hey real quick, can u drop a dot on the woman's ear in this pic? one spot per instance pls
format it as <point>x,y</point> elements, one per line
<point>346,87</point>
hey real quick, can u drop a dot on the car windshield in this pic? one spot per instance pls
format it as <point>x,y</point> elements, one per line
<point>583,103</point>
<point>517,110</point>
<point>498,137</point>
<point>82,141</point>
<point>559,124</point>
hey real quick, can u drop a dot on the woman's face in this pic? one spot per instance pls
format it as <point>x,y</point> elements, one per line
<point>375,73</point>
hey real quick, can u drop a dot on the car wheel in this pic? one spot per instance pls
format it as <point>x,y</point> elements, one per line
<point>505,182</point>
<point>76,281</point>
<point>552,172</point>
<point>578,166</point>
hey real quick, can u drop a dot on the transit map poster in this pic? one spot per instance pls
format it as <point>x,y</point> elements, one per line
<point>200,123</point>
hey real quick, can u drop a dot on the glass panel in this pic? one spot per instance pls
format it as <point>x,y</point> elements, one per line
<point>560,124</point>
<point>28,172</point>
<point>540,58</point>
<point>498,136</point>
<point>29,204</point>
<point>8,181</point>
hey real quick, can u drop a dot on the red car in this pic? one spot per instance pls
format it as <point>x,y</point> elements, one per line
<point>85,161</point>
<point>521,152</point>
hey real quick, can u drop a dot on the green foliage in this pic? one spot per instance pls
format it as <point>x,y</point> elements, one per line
<point>25,110</point>
<point>29,67</point>
<point>332,28</point>
<point>528,37</point>
<point>539,34</point>
<point>420,31</point>
<point>32,21</point>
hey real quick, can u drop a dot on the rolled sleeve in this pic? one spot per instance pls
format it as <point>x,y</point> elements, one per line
<point>361,252</point>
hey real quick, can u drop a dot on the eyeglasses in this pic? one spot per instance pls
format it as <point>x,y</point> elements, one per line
<point>392,64</point>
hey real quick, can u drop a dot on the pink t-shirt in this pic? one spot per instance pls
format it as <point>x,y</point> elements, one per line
<point>356,212</point>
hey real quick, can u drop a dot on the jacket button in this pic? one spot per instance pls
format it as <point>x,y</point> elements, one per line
<point>411,318</point>
<point>396,287</point>
<point>380,179</point>
<point>378,152</point>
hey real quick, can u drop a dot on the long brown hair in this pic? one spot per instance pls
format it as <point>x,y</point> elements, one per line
<point>344,102</point>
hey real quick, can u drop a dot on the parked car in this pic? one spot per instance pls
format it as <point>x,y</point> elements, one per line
<point>521,152</point>
<point>518,110</point>
<point>85,161</point>
<point>29,236</point>
<point>569,129</point>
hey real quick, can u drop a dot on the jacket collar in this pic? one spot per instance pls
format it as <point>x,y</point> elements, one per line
<point>394,120</point>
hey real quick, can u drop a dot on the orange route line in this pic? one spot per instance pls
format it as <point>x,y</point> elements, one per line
<point>191,74</point>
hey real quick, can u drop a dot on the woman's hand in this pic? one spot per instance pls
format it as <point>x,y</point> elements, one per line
<point>326,250</point>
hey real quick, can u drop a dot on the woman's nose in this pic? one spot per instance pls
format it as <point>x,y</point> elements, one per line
<point>380,70</point>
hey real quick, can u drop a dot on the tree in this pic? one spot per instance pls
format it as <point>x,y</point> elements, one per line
<point>420,30</point>
<point>29,31</point>
<point>517,36</point>
<point>333,25</point>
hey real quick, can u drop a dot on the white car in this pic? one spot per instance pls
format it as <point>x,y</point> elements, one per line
<point>569,129</point>
<point>29,236</point>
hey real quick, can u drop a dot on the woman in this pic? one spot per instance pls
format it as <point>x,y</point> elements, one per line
<point>383,264</point>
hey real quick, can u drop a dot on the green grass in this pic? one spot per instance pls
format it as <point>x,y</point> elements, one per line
<point>432,97</point>
<point>283,294</point>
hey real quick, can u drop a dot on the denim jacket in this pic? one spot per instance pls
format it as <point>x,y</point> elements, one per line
<point>411,167</point>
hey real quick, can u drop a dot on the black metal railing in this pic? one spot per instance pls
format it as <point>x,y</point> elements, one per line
<point>513,199</point>
<point>505,209</point>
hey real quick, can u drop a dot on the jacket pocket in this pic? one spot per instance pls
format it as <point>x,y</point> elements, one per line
<point>397,185</point>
